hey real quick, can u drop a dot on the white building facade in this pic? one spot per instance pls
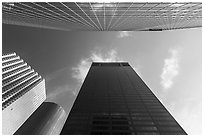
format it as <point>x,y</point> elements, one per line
<point>23,91</point>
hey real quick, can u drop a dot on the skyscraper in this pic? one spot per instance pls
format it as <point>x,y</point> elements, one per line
<point>114,100</point>
<point>120,16</point>
<point>23,91</point>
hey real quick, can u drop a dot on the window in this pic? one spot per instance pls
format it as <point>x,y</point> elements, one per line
<point>18,70</point>
<point>99,133</point>
<point>162,118</point>
<point>141,118</point>
<point>10,62</point>
<point>22,90</point>
<point>166,122</point>
<point>160,114</point>
<point>169,128</point>
<point>101,122</point>
<point>100,127</point>
<point>147,133</point>
<point>120,127</point>
<point>148,128</point>
<point>119,118</point>
<point>120,122</point>
<point>121,133</point>
<point>101,117</point>
<point>140,114</point>
<point>143,123</point>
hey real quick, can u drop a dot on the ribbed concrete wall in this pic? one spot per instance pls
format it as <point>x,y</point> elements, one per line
<point>23,91</point>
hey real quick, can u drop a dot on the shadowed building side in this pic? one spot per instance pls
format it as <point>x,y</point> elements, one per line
<point>48,119</point>
<point>114,100</point>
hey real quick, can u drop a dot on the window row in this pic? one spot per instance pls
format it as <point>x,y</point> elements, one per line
<point>126,128</point>
<point>138,123</point>
<point>12,67</point>
<point>12,64</point>
<point>19,81</point>
<point>11,61</point>
<point>110,133</point>
<point>111,127</point>
<point>10,57</point>
<point>19,88</point>
<point>16,77</point>
<point>16,71</point>
<point>10,54</point>
<point>19,94</point>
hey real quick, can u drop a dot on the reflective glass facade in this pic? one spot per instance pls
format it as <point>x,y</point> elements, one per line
<point>114,100</point>
<point>114,16</point>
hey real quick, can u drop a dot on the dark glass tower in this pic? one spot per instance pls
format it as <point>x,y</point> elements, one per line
<point>114,100</point>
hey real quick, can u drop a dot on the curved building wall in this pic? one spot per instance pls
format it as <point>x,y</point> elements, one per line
<point>48,119</point>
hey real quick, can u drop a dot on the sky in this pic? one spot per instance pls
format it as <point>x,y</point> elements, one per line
<point>169,62</point>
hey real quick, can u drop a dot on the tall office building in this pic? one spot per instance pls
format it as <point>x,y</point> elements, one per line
<point>114,100</point>
<point>23,91</point>
<point>120,16</point>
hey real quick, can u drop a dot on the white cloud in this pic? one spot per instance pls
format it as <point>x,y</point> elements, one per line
<point>82,68</point>
<point>57,91</point>
<point>170,69</point>
<point>123,34</point>
<point>55,74</point>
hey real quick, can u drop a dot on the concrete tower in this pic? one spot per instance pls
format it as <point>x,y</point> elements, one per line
<point>23,91</point>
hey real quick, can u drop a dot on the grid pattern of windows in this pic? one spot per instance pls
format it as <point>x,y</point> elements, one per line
<point>114,100</point>
<point>18,78</point>
<point>154,16</point>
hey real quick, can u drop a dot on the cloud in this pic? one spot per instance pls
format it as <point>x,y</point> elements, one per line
<point>170,69</point>
<point>123,34</point>
<point>54,75</point>
<point>82,68</point>
<point>57,91</point>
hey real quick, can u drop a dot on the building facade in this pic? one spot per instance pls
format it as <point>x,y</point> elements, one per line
<point>114,100</point>
<point>48,119</point>
<point>23,91</point>
<point>113,16</point>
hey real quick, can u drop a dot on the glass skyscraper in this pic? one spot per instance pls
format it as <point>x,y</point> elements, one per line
<point>113,16</point>
<point>114,100</point>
